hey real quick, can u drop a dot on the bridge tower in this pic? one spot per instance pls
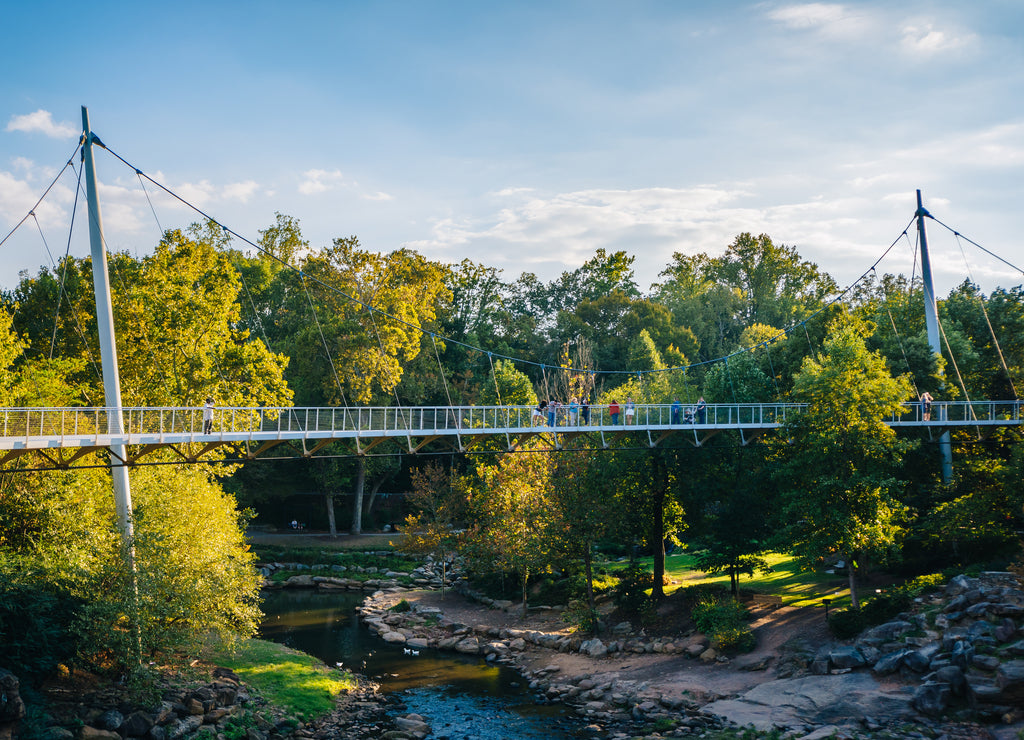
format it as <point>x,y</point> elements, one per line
<point>931,318</point>
<point>108,363</point>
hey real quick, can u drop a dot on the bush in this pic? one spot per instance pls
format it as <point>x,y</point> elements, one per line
<point>846,623</point>
<point>581,616</point>
<point>35,628</point>
<point>724,621</point>
<point>631,593</point>
<point>887,605</point>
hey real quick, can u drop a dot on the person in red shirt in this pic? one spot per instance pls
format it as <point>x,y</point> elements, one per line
<point>613,411</point>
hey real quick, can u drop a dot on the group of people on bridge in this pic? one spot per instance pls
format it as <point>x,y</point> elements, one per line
<point>577,412</point>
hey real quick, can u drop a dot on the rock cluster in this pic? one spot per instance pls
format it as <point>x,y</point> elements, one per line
<point>606,701</point>
<point>603,701</point>
<point>181,712</point>
<point>960,646</point>
<point>312,576</point>
<point>422,627</point>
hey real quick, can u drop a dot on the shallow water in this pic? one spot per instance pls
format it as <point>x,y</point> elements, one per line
<point>461,697</point>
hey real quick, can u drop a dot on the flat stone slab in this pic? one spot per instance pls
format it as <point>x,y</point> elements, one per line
<point>814,700</point>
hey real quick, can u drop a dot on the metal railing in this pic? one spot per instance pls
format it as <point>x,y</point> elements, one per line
<point>74,427</point>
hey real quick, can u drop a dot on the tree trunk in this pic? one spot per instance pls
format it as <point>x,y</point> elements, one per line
<point>658,525</point>
<point>526,577</point>
<point>854,601</point>
<point>357,506</point>
<point>587,559</point>
<point>330,514</point>
<point>373,494</point>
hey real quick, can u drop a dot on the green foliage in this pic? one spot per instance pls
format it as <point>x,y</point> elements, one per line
<point>401,606</point>
<point>847,623</point>
<point>581,617</point>
<point>195,573</point>
<point>634,583</point>
<point>724,621</point>
<point>839,463</point>
<point>36,620</point>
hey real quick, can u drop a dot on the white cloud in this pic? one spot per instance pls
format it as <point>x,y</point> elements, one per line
<point>378,196</point>
<point>827,19</point>
<point>240,191</point>
<point>42,121</point>
<point>17,198</point>
<point>319,181</point>
<point>926,40</point>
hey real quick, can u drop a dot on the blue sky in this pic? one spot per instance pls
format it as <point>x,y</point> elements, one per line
<point>527,135</point>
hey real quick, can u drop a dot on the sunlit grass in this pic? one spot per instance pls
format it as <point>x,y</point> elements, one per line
<point>298,683</point>
<point>797,587</point>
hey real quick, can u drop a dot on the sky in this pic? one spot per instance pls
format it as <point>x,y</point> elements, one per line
<point>527,135</point>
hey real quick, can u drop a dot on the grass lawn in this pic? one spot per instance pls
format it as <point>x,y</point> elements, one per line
<point>298,683</point>
<point>796,587</point>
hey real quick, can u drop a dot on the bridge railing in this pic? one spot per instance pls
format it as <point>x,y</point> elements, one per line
<point>165,421</point>
<point>425,420</point>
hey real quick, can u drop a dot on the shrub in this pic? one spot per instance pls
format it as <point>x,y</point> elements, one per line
<point>724,621</point>
<point>634,582</point>
<point>846,623</point>
<point>35,627</point>
<point>581,616</point>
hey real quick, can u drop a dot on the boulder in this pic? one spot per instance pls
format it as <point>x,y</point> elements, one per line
<point>953,676</point>
<point>812,700</point>
<point>94,733</point>
<point>931,698</point>
<point>12,708</point>
<point>137,724</point>
<point>846,657</point>
<point>110,720</point>
<point>1010,680</point>
<point>594,648</point>
<point>888,631</point>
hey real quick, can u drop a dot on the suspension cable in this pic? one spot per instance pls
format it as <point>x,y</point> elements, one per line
<point>316,320</point>
<point>988,322</point>
<point>46,192</point>
<point>518,360</point>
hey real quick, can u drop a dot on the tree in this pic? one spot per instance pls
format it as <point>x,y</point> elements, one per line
<point>352,318</point>
<point>441,500</point>
<point>736,525</point>
<point>838,465</point>
<point>176,330</point>
<point>513,509</point>
<point>508,387</point>
<point>587,510</point>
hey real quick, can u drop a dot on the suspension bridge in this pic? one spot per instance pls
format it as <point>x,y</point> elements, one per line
<point>62,438</point>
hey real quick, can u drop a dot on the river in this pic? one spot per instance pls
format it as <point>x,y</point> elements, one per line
<point>461,697</point>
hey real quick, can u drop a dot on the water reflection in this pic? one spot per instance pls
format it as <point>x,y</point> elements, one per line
<point>460,696</point>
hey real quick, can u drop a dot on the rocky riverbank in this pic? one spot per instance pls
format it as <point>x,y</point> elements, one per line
<point>951,666</point>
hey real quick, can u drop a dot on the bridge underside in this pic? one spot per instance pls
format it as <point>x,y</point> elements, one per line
<point>63,454</point>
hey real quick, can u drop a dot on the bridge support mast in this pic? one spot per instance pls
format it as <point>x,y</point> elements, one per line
<point>931,318</point>
<point>111,376</point>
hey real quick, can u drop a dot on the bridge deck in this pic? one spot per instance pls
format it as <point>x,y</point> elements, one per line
<point>23,430</point>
